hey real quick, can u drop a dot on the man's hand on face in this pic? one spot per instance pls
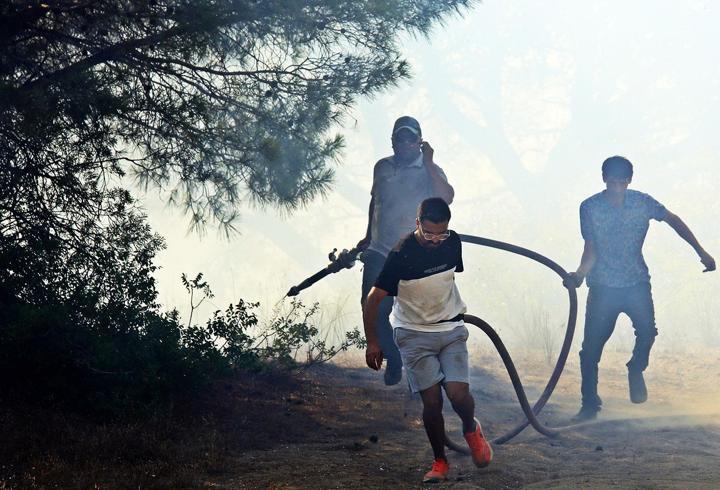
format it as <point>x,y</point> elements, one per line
<point>427,152</point>
<point>708,261</point>
<point>374,356</point>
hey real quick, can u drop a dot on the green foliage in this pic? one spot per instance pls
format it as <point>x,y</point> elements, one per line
<point>85,330</point>
<point>236,338</point>
<point>214,102</point>
<point>83,324</point>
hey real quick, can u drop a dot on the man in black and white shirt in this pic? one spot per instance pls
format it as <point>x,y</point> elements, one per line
<point>428,328</point>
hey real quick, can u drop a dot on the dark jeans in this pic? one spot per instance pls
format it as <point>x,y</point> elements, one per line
<point>374,262</point>
<point>604,305</point>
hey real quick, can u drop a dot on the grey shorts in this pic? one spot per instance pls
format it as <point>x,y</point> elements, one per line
<point>433,357</point>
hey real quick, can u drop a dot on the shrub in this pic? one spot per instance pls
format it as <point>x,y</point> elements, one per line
<point>81,326</point>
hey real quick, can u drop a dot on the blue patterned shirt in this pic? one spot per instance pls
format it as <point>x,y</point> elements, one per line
<point>618,234</point>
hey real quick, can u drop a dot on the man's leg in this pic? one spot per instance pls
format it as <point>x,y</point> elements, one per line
<point>435,429</point>
<point>453,358</point>
<point>454,364</point>
<point>601,314</point>
<point>433,419</point>
<point>463,403</point>
<point>419,351</point>
<point>640,309</point>
<point>373,263</point>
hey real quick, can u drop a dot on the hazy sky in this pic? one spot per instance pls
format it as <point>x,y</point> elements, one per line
<point>522,101</point>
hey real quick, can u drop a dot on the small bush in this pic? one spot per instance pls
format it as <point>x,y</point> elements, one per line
<point>236,337</point>
<point>81,326</point>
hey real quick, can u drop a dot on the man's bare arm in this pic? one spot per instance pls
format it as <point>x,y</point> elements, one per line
<point>587,261</point>
<point>440,185</point>
<point>684,232</point>
<point>371,306</point>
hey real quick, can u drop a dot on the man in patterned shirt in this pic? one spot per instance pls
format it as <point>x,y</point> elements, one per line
<point>613,224</point>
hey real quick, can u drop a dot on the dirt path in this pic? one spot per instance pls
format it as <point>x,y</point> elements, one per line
<point>320,434</point>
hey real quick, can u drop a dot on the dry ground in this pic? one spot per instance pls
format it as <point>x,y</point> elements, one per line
<point>673,441</point>
<point>339,427</point>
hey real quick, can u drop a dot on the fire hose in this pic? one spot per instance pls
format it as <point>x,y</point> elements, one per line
<point>347,258</point>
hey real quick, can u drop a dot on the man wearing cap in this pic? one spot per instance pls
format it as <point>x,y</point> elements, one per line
<point>400,183</point>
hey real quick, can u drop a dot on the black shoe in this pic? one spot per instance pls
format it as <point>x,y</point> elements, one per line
<point>392,376</point>
<point>586,413</point>
<point>638,390</point>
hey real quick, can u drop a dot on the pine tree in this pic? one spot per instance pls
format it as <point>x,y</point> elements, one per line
<point>213,102</point>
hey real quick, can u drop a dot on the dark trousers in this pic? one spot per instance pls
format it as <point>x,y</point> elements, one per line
<point>374,262</point>
<point>604,305</point>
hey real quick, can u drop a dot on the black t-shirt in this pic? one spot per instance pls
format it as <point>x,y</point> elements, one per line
<point>409,260</point>
<point>423,283</point>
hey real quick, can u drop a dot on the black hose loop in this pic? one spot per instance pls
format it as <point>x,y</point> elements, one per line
<point>530,412</point>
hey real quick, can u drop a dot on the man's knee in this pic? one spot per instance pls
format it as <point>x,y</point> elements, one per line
<point>646,334</point>
<point>433,409</point>
<point>432,398</point>
<point>643,343</point>
<point>641,352</point>
<point>457,393</point>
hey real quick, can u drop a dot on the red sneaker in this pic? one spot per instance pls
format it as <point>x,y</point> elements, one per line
<point>438,472</point>
<point>480,448</point>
